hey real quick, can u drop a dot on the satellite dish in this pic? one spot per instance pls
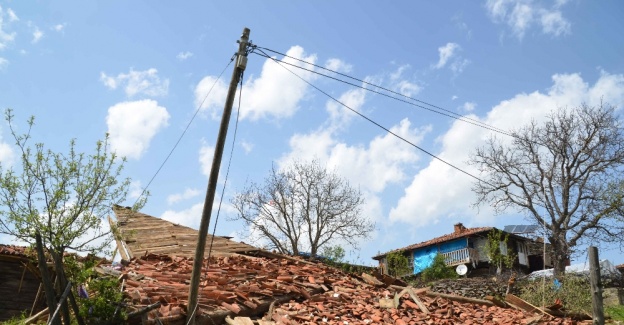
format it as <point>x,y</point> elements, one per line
<point>461,269</point>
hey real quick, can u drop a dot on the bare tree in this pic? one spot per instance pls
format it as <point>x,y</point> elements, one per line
<point>565,174</point>
<point>303,207</point>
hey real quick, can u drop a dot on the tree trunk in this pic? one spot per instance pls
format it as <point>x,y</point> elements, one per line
<point>60,274</point>
<point>560,253</point>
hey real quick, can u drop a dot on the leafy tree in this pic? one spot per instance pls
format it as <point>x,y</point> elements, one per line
<point>334,254</point>
<point>398,264</point>
<point>496,238</point>
<point>438,270</point>
<point>561,174</point>
<point>60,197</point>
<point>303,207</point>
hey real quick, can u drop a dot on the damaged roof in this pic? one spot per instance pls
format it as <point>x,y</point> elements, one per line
<point>144,234</point>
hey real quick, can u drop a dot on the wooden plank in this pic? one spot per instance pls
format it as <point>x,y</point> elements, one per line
<point>522,304</point>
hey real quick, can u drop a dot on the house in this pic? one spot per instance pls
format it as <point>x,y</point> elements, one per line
<point>19,282</point>
<point>468,246</point>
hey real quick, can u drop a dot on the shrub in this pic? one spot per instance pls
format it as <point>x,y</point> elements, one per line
<point>574,292</point>
<point>398,264</point>
<point>438,270</point>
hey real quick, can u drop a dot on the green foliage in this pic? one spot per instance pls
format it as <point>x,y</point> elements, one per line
<point>438,270</point>
<point>16,320</point>
<point>398,264</point>
<point>105,293</point>
<point>615,312</point>
<point>333,253</point>
<point>61,195</point>
<point>574,292</point>
<point>493,250</point>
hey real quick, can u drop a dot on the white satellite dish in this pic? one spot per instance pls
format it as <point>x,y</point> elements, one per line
<point>461,269</point>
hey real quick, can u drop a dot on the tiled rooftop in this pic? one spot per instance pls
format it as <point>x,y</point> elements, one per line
<point>304,293</point>
<point>465,232</point>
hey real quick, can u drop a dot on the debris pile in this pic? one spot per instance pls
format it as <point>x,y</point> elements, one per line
<point>291,291</point>
<point>471,287</point>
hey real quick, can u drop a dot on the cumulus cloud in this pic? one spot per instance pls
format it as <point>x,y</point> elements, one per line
<point>146,82</point>
<point>276,93</point>
<point>370,166</point>
<point>439,191</point>
<point>403,85</point>
<point>188,193</point>
<point>446,53</point>
<point>206,153</point>
<point>190,217</point>
<point>7,17</point>
<point>468,106</point>
<point>37,35</point>
<point>521,15</point>
<point>338,65</point>
<point>7,154</point>
<point>247,146</point>
<point>59,27</point>
<point>449,56</point>
<point>132,125</point>
<point>184,55</point>
<point>3,63</point>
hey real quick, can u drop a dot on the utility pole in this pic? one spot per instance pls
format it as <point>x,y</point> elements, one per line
<point>241,63</point>
<point>596,286</point>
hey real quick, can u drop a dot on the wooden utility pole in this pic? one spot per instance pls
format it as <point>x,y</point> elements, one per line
<point>241,63</point>
<point>596,286</point>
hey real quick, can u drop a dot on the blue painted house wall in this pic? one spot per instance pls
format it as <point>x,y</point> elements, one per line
<point>423,257</point>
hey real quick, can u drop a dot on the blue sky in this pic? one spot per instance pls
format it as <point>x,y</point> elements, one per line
<point>139,70</point>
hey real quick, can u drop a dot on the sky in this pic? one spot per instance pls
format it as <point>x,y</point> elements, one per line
<point>140,71</point>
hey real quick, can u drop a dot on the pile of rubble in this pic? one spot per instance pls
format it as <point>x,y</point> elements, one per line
<point>290,291</point>
<point>471,287</point>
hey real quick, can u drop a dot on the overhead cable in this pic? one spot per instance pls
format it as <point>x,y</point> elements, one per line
<point>280,63</point>
<point>184,132</point>
<point>410,100</point>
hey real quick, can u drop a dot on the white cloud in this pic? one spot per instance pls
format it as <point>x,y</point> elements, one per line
<point>136,189</point>
<point>3,63</point>
<point>468,106</point>
<point>454,97</point>
<point>37,35</point>
<point>190,217</point>
<point>12,16</point>
<point>446,53</point>
<point>5,37</point>
<point>275,93</point>
<point>184,55</point>
<point>210,95</point>
<point>137,82</point>
<point>340,116</point>
<point>247,146</point>
<point>338,65</point>
<point>206,153</point>
<point>132,125</point>
<point>401,85</point>
<point>7,154</point>
<point>59,27</point>
<point>188,193</point>
<point>521,15</point>
<point>553,23</point>
<point>439,192</point>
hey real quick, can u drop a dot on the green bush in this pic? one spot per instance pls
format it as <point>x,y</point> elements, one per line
<point>574,292</point>
<point>398,264</point>
<point>105,293</point>
<point>438,270</point>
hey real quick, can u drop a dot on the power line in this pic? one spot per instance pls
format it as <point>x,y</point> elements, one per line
<point>383,127</point>
<point>437,110</point>
<point>183,132</point>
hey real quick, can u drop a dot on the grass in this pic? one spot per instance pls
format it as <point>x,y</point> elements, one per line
<point>616,313</point>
